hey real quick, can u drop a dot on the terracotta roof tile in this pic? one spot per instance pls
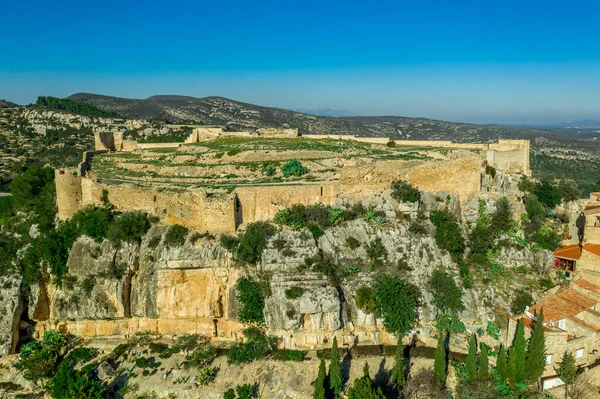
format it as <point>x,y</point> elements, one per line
<point>588,286</point>
<point>576,298</point>
<point>574,251</point>
<point>591,209</point>
<point>593,248</point>
<point>569,252</point>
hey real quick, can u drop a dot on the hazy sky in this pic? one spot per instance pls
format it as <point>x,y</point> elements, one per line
<point>511,62</point>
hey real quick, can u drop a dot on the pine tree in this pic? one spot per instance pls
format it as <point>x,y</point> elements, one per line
<point>439,364</point>
<point>320,382</point>
<point>398,373</point>
<point>536,351</point>
<point>501,366</point>
<point>471,361</point>
<point>484,364</point>
<point>519,347</point>
<point>335,372</point>
<point>567,370</point>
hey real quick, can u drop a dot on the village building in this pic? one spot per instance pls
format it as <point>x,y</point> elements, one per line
<point>571,325</point>
<point>583,260</point>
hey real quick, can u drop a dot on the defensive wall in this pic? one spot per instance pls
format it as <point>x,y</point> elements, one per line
<point>220,213</point>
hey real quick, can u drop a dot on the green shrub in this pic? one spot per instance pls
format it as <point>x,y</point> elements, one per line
<point>186,342</point>
<point>522,299</point>
<point>287,354</point>
<point>492,330</point>
<point>154,241</point>
<point>448,234</point>
<point>254,241</point>
<point>129,227</point>
<point>251,301</point>
<point>293,168</point>
<point>69,383</point>
<point>256,346</point>
<point>391,144</point>
<point>230,243</point>
<point>245,391</point>
<point>397,303</point>
<point>158,347</point>
<point>146,373</point>
<point>269,171</point>
<point>141,362</point>
<point>548,194</point>
<point>366,300</point>
<point>88,284</point>
<point>82,354</point>
<point>352,243</point>
<point>201,356</point>
<point>403,191</point>
<point>569,190</point>
<point>207,375</point>
<point>376,252</point>
<point>229,394</point>
<point>501,219</point>
<point>294,292</point>
<point>93,222</point>
<point>527,185</point>
<point>176,235</point>
<point>447,296</point>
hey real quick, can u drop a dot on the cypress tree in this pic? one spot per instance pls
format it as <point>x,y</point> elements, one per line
<point>335,372</point>
<point>439,361</point>
<point>501,366</point>
<point>484,364</point>
<point>398,373</point>
<point>567,371</point>
<point>512,366</point>
<point>536,351</point>
<point>471,361</point>
<point>519,347</point>
<point>320,382</point>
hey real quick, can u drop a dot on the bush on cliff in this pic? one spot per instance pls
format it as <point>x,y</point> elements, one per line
<point>129,227</point>
<point>447,296</point>
<point>397,303</point>
<point>251,301</point>
<point>448,234</point>
<point>254,241</point>
<point>403,191</point>
<point>176,236</point>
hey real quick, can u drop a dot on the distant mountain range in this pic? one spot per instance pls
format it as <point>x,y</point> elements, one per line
<point>239,115</point>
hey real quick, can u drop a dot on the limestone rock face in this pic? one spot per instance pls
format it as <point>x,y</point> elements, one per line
<point>287,250</point>
<point>96,286</point>
<point>10,312</point>
<point>188,281</point>
<point>318,308</point>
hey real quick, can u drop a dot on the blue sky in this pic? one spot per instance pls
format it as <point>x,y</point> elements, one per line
<point>478,61</point>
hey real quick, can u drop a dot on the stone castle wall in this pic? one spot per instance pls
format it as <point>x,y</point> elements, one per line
<point>223,213</point>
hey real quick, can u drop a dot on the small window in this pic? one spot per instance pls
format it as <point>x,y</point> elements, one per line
<point>548,359</point>
<point>579,353</point>
<point>561,324</point>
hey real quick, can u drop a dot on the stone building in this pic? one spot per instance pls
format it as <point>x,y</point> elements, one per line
<point>571,324</point>
<point>583,260</point>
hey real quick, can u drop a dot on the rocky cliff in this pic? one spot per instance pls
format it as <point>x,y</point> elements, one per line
<point>116,291</point>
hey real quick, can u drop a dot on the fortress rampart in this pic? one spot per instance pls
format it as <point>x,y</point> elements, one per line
<point>220,213</point>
